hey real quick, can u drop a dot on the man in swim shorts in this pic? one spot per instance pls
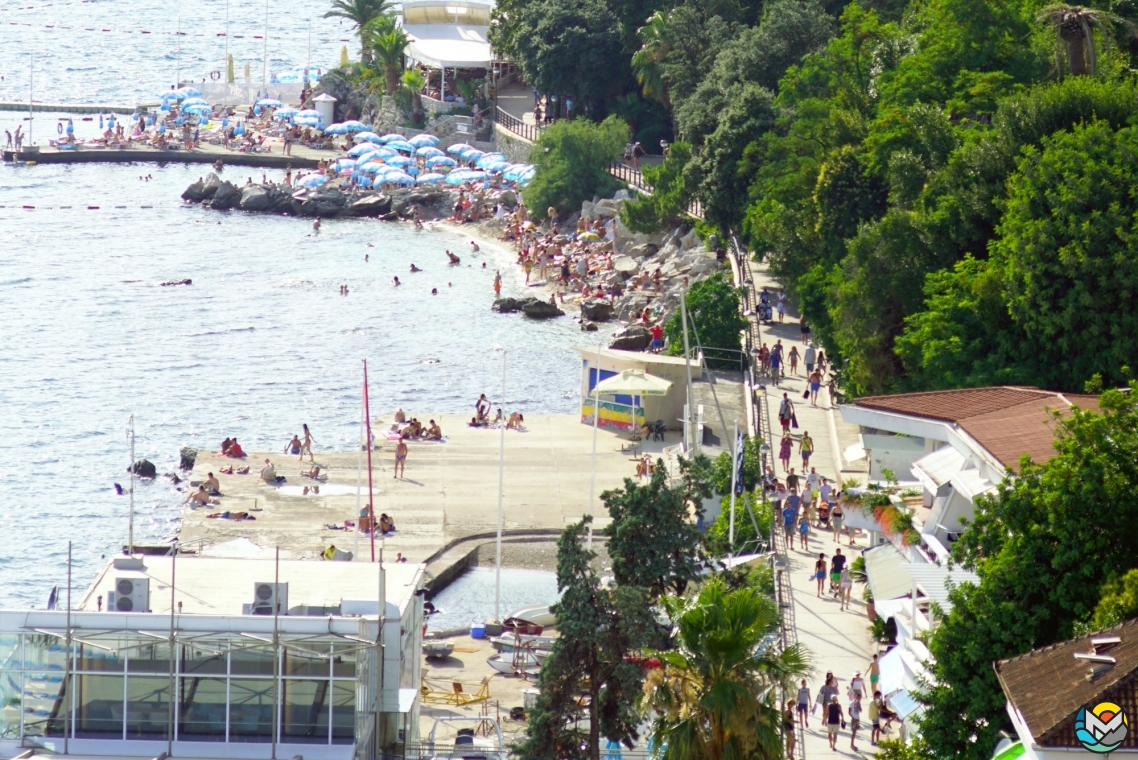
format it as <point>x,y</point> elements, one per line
<point>400,458</point>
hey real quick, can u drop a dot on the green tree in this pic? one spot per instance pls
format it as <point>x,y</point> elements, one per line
<point>1118,601</point>
<point>387,42</point>
<point>747,540</point>
<point>359,12</point>
<point>1075,26</point>
<point>1066,249</point>
<point>713,313</point>
<point>599,629</point>
<point>1047,519</point>
<point>573,48</point>
<point>716,695</point>
<point>411,85</point>
<point>653,541</point>
<point>648,61</point>
<point>572,159</point>
<point>670,197</point>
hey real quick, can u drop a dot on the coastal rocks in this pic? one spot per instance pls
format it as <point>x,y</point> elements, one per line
<point>195,192</point>
<point>209,187</point>
<point>642,251</point>
<point>506,305</point>
<point>633,338</point>
<point>508,198</point>
<point>596,311</point>
<point>533,308</point>
<point>537,309</point>
<point>226,196</point>
<point>168,283</point>
<point>187,457</point>
<point>626,265</point>
<point>428,197</point>
<point>144,468</point>
<point>255,198</point>
<point>372,205</point>
<point>589,327</point>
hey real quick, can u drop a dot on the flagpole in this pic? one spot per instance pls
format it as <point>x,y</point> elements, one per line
<point>370,497</point>
<point>596,418</point>
<point>734,475</point>
<point>130,523</point>
<point>501,474</point>
<point>359,478</point>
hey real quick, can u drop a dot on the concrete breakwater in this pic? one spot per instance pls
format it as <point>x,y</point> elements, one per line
<point>327,201</point>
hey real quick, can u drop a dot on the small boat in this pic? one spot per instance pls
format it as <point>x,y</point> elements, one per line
<point>512,643</point>
<point>538,614</point>
<point>526,663</point>
<point>438,650</point>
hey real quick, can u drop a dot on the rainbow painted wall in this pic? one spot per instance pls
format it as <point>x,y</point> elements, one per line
<point>613,416</point>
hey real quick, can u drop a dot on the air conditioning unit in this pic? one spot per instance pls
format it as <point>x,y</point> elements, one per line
<point>130,595</point>
<point>267,597</point>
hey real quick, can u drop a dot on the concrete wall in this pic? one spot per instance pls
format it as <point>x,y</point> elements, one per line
<point>516,149</point>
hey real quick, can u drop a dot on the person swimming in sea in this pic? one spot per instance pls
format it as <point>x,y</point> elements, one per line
<point>415,268</point>
<point>434,291</point>
<point>396,282</point>
<point>453,258</point>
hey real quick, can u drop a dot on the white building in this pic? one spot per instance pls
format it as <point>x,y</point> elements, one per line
<point>187,657</point>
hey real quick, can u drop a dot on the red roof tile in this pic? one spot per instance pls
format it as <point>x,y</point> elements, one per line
<point>1007,421</point>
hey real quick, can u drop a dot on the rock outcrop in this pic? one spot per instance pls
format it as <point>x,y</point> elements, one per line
<point>330,200</point>
<point>633,338</point>
<point>144,468</point>
<point>535,308</point>
<point>187,458</point>
<point>596,311</point>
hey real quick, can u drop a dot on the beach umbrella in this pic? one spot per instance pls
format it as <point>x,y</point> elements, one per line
<point>515,172</point>
<point>224,121</point>
<point>162,128</point>
<point>239,129</point>
<point>344,163</point>
<point>374,167</point>
<point>497,167</point>
<point>370,137</point>
<point>360,150</point>
<point>336,129</point>
<point>257,110</point>
<point>198,109</point>
<point>429,152</point>
<point>399,161</point>
<point>269,103</point>
<point>402,145</point>
<point>459,148</point>
<point>164,107</point>
<point>195,101</point>
<point>424,141</point>
<point>70,126</point>
<point>368,157</point>
<point>398,178</point>
<point>634,382</point>
<point>312,180</point>
<point>472,154</point>
<point>179,121</point>
<point>588,237</point>
<point>392,136</point>
<point>284,113</point>
<point>490,158</point>
<point>309,112</point>
<point>189,92</point>
<point>430,179</point>
<point>100,121</point>
<point>412,170</point>
<point>355,126</point>
<point>440,161</point>
<point>457,178</point>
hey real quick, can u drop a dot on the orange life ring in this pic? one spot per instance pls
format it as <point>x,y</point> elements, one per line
<point>215,75</point>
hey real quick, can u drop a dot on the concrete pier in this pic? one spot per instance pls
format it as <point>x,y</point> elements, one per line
<point>206,154</point>
<point>94,108</point>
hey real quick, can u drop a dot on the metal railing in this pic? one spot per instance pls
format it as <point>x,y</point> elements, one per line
<point>631,175</point>
<point>513,124</point>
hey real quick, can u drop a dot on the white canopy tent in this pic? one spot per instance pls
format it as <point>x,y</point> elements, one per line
<point>448,34</point>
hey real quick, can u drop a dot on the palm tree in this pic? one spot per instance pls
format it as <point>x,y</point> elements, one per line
<point>413,83</point>
<point>648,61</point>
<point>716,695</point>
<point>359,12</point>
<point>386,43</point>
<point>1075,26</point>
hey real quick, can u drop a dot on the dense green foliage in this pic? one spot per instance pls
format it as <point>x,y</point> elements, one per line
<point>714,322</point>
<point>599,628</point>
<point>572,160</point>
<point>670,193</point>
<point>1047,565</point>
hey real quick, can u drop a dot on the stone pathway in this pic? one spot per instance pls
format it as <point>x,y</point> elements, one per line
<point>838,641</point>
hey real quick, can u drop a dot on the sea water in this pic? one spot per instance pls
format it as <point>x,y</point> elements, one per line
<point>261,342</point>
<point>471,596</point>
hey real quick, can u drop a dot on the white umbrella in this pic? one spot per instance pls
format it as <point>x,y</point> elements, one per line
<point>634,382</point>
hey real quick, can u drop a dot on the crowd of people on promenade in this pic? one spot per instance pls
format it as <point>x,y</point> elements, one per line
<point>864,704</point>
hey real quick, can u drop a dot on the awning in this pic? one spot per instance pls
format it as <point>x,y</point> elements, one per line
<point>892,670</point>
<point>933,581</point>
<point>449,45</point>
<point>904,704</point>
<point>937,468</point>
<point>886,570</point>
<point>887,608</point>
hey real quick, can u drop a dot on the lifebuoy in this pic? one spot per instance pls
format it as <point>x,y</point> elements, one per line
<point>215,75</point>
<point>59,127</point>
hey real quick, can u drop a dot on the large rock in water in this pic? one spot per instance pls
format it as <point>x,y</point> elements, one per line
<point>635,338</point>
<point>195,193</point>
<point>144,468</point>
<point>596,311</point>
<point>255,198</point>
<point>188,457</point>
<point>538,309</point>
<point>372,205</point>
<point>211,184</point>
<point>226,197</point>
<point>506,305</point>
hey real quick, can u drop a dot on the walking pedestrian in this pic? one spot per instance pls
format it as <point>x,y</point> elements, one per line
<point>808,357</point>
<point>803,532</point>
<point>785,407</point>
<point>775,362</point>
<point>837,518</point>
<point>855,721</point>
<point>834,717</point>
<point>781,305</point>
<point>820,573</point>
<point>306,444</point>
<point>789,518</point>
<point>804,704</point>
<point>857,686</point>
<point>874,674</point>
<point>806,448</point>
<point>836,564</point>
<point>788,728</point>
<point>815,384</point>
<point>784,451</point>
<point>845,588</point>
<point>793,356</point>
<point>875,714</point>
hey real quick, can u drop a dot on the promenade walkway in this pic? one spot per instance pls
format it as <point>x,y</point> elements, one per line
<point>838,641</point>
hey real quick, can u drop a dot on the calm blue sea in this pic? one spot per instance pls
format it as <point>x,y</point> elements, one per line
<point>261,342</point>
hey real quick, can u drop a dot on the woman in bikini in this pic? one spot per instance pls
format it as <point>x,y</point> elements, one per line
<point>306,445</point>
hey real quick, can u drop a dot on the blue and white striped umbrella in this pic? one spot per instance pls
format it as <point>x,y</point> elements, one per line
<point>390,136</point>
<point>354,126</point>
<point>269,103</point>
<point>459,148</point>
<point>424,141</point>
<point>430,179</point>
<point>370,137</point>
<point>195,102</point>
<point>497,167</point>
<point>284,113</point>
<point>440,161</point>
<point>429,152</point>
<point>362,149</point>
<point>471,154</point>
<point>398,161</point>
<point>401,145</point>
<point>457,178</point>
<point>312,180</point>
<point>336,129</point>
<point>373,167</point>
<point>490,158</point>
<point>398,178</point>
